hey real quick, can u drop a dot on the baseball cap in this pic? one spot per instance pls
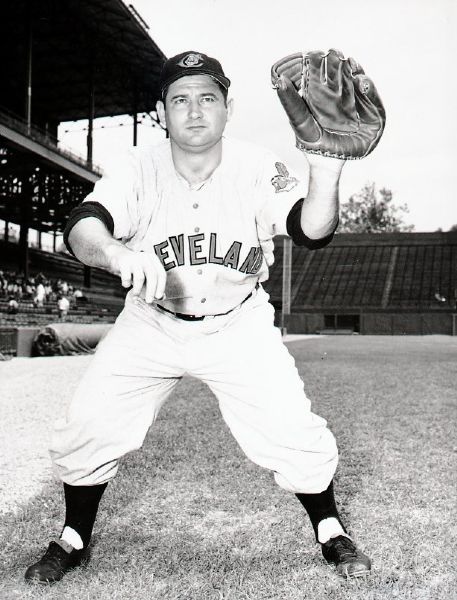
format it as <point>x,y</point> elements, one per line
<point>191,63</point>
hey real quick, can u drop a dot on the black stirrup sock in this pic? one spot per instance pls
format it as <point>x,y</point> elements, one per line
<point>320,506</point>
<point>81,502</point>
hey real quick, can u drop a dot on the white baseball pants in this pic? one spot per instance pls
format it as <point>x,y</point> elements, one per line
<point>242,359</point>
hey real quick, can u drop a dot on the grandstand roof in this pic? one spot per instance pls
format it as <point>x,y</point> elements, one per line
<point>72,41</point>
<point>70,47</point>
<point>372,271</point>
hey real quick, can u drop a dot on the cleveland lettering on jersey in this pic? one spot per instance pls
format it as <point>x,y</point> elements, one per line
<point>176,252</point>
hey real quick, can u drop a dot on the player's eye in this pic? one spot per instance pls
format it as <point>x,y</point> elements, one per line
<point>208,99</point>
<point>179,100</point>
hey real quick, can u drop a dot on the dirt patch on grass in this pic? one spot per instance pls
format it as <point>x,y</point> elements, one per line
<point>34,393</point>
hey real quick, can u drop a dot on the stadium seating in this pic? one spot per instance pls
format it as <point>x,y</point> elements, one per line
<point>360,271</point>
<point>101,303</point>
<point>392,283</point>
<point>64,266</point>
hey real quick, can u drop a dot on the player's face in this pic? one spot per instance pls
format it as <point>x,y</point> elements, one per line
<point>195,112</point>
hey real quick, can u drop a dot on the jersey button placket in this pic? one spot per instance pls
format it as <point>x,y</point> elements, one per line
<point>197,229</point>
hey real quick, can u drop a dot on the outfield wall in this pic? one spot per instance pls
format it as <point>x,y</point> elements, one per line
<point>408,324</point>
<point>373,323</point>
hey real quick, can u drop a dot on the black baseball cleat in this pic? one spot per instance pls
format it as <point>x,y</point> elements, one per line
<point>349,562</point>
<point>54,563</point>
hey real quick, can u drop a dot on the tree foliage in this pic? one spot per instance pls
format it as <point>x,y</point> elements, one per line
<point>372,211</point>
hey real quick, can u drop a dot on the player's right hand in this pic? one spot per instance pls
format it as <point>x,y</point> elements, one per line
<point>138,269</point>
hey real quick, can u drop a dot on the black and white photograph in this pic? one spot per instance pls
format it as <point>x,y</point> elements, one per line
<point>228,300</point>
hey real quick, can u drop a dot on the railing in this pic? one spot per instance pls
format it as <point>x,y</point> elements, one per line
<point>44,138</point>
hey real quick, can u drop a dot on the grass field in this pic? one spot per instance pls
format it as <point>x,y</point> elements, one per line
<point>189,518</point>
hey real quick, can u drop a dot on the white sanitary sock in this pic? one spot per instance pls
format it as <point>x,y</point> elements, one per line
<point>329,528</point>
<point>72,537</point>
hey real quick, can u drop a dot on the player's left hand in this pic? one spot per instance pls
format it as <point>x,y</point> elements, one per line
<point>333,107</point>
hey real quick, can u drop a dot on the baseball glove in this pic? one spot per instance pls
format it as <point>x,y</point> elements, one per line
<point>333,107</point>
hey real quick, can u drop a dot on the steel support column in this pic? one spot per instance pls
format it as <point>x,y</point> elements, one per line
<point>29,64</point>
<point>286,283</point>
<point>135,119</point>
<point>26,194</point>
<point>87,276</point>
<point>90,125</point>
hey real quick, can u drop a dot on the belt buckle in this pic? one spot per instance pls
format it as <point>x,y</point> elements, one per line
<point>194,318</point>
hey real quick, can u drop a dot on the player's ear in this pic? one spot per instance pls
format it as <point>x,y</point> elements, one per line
<point>229,108</point>
<point>160,108</point>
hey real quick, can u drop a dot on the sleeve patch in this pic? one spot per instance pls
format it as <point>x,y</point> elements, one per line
<point>283,182</point>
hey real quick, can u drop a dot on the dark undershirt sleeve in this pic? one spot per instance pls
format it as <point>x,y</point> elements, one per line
<point>87,209</point>
<point>296,233</point>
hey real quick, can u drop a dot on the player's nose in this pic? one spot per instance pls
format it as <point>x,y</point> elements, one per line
<point>195,110</point>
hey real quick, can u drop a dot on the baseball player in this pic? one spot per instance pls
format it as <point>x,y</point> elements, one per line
<point>189,224</point>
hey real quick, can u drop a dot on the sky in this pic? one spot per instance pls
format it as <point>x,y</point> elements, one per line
<point>408,48</point>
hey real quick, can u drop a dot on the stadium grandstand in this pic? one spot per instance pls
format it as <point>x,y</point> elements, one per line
<point>379,284</point>
<point>62,61</point>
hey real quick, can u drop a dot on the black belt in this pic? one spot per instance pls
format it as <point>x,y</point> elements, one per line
<point>185,317</point>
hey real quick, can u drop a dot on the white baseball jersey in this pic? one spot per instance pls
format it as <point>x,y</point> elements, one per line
<point>214,242</point>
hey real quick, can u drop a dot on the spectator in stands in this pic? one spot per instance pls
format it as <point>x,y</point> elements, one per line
<point>63,306</point>
<point>48,290</point>
<point>4,284</point>
<point>13,306</point>
<point>28,293</point>
<point>39,295</point>
<point>32,290</point>
<point>20,287</point>
<point>56,289</point>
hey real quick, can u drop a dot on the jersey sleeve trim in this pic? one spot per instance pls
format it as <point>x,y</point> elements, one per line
<point>296,233</point>
<point>87,209</point>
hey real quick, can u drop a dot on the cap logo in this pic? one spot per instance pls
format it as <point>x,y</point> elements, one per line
<point>283,182</point>
<point>191,60</point>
